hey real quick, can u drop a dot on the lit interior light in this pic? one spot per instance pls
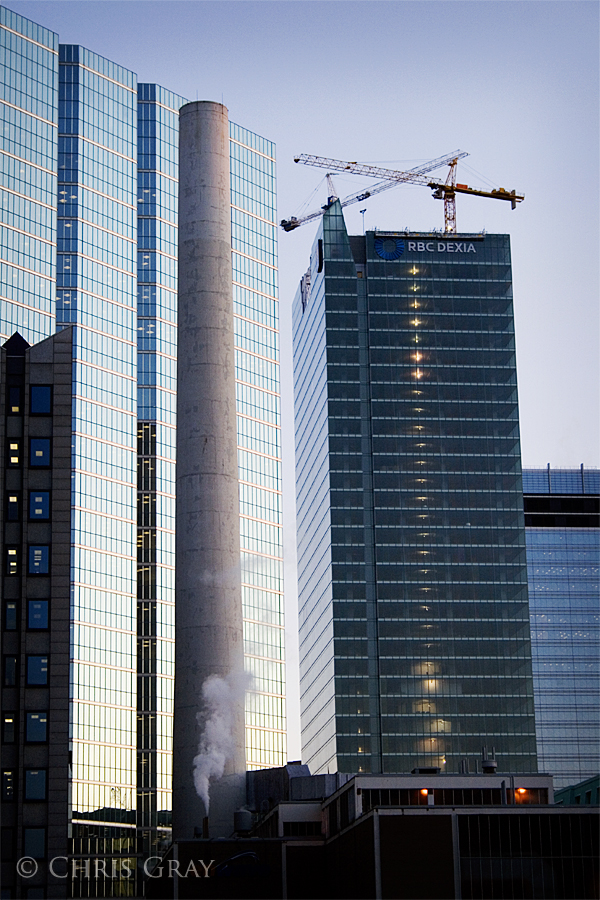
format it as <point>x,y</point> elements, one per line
<point>424,791</point>
<point>413,271</point>
<point>418,356</point>
<point>416,321</point>
<point>521,790</point>
<point>418,374</point>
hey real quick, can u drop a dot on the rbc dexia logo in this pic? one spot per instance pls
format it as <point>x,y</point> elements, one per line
<point>389,247</point>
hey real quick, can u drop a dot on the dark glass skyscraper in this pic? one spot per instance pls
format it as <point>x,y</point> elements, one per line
<point>562,525</point>
<point>414,625</point>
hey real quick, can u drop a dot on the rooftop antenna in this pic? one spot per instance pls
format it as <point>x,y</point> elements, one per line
<point>362,212</point>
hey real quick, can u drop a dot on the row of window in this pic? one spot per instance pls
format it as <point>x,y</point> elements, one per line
<point>38,507</point>
<point>35,784</point>
<point>38,560</point>
<point>36,727</point>
<point>37,615</point>
<point>39,453</point>
<point>36,671</point>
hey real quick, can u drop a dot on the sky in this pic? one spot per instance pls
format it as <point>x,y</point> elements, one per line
<point>397,83</point>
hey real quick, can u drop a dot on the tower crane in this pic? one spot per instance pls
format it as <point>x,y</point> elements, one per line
<point>442,190</point>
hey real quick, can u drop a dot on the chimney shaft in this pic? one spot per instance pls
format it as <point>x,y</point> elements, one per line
<point>208,603</point>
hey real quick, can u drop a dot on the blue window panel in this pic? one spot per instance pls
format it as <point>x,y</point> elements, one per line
<point>37,614</point>
<point>34,842</point>
<point>13,507</point>
<point>36,727</point>
<point>15,401</point>
<point>35,784</point>
<point>41,400</point>
<point>39,452</point>
<point>39,559</point>
<point>10,616</point>
<point>39,505</point>
<point>37,671</point>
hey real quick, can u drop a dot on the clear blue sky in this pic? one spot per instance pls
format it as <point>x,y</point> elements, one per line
<point>513,83</point>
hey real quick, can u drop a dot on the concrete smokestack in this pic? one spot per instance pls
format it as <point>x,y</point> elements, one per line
<point>208,605</point>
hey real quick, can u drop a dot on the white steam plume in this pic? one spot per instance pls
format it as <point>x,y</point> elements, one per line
<point>220,698</point>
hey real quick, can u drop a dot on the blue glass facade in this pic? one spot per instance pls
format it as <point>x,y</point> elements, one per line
<point>414,624</point>
<point>29,147</point>
<point>96,292</point>
<point>158,132</point>
<point>256,330</point>
<point>563,551</point>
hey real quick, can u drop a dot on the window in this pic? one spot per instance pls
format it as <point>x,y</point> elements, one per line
<point>14,454</point>
<point>36,727</point>
<point>8,784</point>
<point>8,843</point>
<point>15,402</point>
<point>35,784</point>
<point>10,615</point>
<point>10,671</point>
<point>41,400</point>
<point>8,728</point>
<point>39,560</point>
<point>39,452</point>
<point>12,560</point>
<point>37,614</point>
<point>39,505</point>
<point>13,507</point>
<point>34,842</point>
<point>37,670</point>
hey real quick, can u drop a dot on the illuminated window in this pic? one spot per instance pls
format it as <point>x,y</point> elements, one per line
<point>39,452</point>
<point>39,560</point>
<point>39,504</point>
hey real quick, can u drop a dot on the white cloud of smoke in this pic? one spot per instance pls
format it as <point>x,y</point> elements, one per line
<point>221,697</point>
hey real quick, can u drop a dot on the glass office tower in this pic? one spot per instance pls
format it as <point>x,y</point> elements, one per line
<point>158,130</point>
<point>414,623</point>
<point>256,329</point>
<point>29,146</point>
<point>562,525</point>
<point>96,291</point>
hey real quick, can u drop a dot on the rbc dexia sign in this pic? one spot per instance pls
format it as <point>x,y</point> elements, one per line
<point>440,247</point>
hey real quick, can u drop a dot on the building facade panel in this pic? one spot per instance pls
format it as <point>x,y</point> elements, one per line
<point>28,147</point>
<point>563,549</point>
